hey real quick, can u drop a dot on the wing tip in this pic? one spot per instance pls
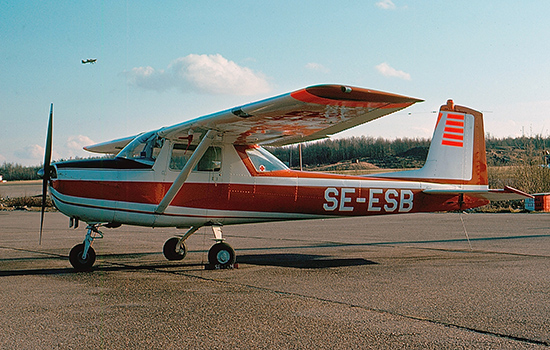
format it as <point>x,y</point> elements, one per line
<point>356,94</point>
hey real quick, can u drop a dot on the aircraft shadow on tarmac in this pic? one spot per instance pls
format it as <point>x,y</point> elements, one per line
<point>110,263</point>
<point>107,267</point>
<point>300,261</point>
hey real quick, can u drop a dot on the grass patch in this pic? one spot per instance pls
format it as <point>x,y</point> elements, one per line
<point>25,203</point>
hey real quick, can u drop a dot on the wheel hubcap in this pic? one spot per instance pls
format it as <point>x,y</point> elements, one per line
<point>83,261</point>
<point>223,256</point>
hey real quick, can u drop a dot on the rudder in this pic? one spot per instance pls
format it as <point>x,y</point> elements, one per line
<point>457,151</point>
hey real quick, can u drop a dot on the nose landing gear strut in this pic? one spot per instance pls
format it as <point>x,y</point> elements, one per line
<point>82,256</point>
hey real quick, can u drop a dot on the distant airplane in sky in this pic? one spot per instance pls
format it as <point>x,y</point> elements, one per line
<point>89,60</point>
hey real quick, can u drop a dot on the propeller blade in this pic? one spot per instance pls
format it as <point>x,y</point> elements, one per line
<point>46,176</point>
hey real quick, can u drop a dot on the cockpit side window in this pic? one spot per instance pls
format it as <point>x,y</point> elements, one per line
<point>145,147</point>
<point>180,155</point>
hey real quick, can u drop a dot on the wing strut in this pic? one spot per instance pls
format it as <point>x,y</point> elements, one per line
<point>182,177</point>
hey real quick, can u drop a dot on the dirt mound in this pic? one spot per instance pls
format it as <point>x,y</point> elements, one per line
<point>416,153</point>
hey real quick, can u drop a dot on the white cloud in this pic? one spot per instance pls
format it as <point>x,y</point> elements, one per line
<point>317,67</point>
<point>212,74</point>
<point>30,152</point>
<point>34,154</point>
<point>388,71</point>
<point>149,78</point>
<point>76,143</point>
<point>386,5</point>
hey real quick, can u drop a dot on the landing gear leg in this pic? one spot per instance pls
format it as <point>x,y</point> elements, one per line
<point>221,255</point>
<point>82,256</point>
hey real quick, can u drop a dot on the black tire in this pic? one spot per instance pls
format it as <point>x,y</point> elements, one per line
<point>221,255</point>
<point>75,257</point>
<point>172,252</point>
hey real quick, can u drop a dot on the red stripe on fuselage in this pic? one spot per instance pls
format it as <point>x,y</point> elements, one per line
<point>322,200</point>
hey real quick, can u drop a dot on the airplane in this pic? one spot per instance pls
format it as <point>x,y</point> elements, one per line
<point>89,60</point>
<point>213,171</point>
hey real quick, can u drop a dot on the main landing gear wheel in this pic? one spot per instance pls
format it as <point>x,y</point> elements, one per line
<point>75,257</point>
<point>221,255</point>
<point>174,251</point>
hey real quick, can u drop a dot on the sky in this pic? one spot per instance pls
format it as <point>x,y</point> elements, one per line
<point>162,63</point>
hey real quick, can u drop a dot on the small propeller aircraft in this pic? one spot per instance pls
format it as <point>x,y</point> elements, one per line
<point>212,171</point>
<point>89,60</point>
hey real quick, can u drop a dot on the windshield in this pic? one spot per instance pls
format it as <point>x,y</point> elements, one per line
<point>144,147</point>
<point>264,161</point>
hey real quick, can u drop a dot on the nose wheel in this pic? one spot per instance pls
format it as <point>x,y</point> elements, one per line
<point>82,256</point>
<point>79,261</point>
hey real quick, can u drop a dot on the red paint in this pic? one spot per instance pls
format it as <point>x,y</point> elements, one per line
<point>378,102</point>
<point>453,136</point>
<point>452,143</point>
<point>455,130</point>
<point>455,116</point>
<point>455,123</point>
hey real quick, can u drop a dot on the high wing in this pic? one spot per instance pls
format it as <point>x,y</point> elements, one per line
<point>303,115</point>
<point>308,114</point>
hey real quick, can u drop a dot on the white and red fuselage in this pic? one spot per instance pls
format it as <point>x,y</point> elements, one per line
<point>128,191</point>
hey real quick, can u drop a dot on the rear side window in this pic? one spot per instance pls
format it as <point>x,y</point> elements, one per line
<point>211,160</point>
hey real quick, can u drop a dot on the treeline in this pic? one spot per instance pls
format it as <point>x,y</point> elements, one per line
<point>330,151</point>
<point>18,172</point>
<point>405,152</point>
<point>398,153</point>
<point>521,143</point>
<point>12,172</point>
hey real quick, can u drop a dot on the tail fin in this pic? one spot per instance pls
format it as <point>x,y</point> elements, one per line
<point>457,151</point>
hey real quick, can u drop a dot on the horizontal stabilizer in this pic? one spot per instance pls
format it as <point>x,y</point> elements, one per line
<point>505,194</point>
